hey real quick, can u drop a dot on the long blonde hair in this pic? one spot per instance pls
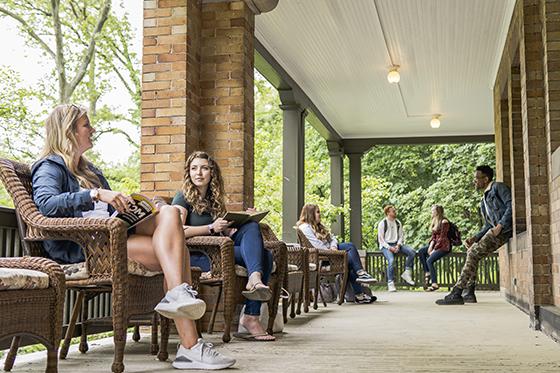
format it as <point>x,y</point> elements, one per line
<point>214,201</point>
<point>61,140</point>
<point>438,218</point>
<point>308,216</point>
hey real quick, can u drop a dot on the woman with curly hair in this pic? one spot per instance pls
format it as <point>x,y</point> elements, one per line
<point>66,184</point>
<point>320,237</point>
<point>203,197</point>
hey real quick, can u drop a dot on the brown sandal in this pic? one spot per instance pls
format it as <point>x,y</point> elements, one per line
<point>432,288</point>
<point>259,292</point>
<point>427,279</point>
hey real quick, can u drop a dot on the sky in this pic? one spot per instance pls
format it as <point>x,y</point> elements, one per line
<point>31,66</point>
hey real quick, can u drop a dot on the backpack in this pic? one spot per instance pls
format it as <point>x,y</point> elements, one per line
<point>385,230</point>
<point>454,235</point>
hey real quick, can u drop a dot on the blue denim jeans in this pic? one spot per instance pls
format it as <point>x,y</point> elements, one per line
<point>428,261</point>
<point>354,265</point>
<point>407,250</point>
<point>250,253</point>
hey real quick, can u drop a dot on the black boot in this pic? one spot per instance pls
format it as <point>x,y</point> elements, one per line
<point>452,298</point>
<point>468,295</point>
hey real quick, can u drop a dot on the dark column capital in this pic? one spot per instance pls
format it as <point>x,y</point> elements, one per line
<point>335,148</point>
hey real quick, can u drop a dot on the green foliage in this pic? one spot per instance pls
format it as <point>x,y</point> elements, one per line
<point>20,132</point>
<point>268,152</point>
<point>71,75</point>
<point>317,176</point>
<point>420,176</point>
<point>122,177</point>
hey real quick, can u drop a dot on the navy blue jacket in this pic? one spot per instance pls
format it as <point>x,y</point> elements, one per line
<point>498,199</point>
<point>56,193</point>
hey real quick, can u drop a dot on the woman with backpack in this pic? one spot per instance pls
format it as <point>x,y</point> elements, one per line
<point>438,247</point>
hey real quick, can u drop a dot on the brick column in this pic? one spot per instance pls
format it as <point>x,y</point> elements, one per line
<point>516,154</point>
<point>551,35</point>
<point>531,52</point>
<point>198,93</point>
<point>501,138</point>
<point>227,98</point>
<point>170,93</point>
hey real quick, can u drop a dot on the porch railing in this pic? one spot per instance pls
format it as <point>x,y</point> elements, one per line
<point>448,270</point>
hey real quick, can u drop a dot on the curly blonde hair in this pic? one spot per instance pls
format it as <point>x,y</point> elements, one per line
<point>308,216</point>
<point>214,200</point>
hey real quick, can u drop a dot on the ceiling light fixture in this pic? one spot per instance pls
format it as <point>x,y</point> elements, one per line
<point>435,122</point>
<point>393,76</point>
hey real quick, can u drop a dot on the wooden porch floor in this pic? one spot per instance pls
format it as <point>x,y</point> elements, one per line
<point>403,332</point>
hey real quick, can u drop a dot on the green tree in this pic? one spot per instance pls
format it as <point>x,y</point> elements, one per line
<point>268,152</point>
<point>87,42</point>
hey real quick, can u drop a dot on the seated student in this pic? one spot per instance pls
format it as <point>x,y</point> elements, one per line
<point>65,184</point>
<point>203,197</point>
<point>438,247</point>
<point>318,235</point>
<point>391,241</point>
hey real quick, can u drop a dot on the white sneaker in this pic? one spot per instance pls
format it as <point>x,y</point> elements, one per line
<point>201,356</point>
<point>391,287</point>
<point>181,301</point>
<point>407,277</point>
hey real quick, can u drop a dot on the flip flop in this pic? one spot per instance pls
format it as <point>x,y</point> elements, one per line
<point>260,293</point>
<point>254,337</point>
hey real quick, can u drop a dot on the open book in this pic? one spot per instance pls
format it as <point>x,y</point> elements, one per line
<point>143,208</point>
<point>241,217</point>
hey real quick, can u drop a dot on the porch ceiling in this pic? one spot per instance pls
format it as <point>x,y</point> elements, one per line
<point>339,53</point>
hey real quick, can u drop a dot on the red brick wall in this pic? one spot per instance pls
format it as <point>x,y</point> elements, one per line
<point>516,151</point>
<point>227,106</point>
<point>531,54</point>
<point>169,109</point>
<point>197,93</point>
<point>555,237</point>
<point>551,35</point>
<point>529,270</point>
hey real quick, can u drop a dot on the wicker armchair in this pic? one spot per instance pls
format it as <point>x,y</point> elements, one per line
<point>294,282</point>
<point>295,279</point>
<point>33,312</point>
<point>222,261</point>
<point>104,243</point>
<point>338,265</point>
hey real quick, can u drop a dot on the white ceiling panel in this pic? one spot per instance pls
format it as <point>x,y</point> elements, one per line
<point>339,53</point>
